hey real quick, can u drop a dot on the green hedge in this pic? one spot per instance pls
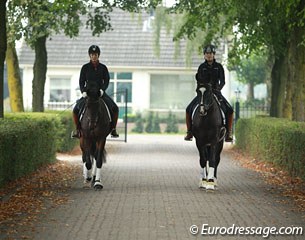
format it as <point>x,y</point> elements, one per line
<point>64,142</point>
<point>30,140</point>
<point>275,140</point>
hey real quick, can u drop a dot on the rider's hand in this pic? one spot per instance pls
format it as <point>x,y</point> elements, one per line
<point>102,92</point>
<point>84,94</point>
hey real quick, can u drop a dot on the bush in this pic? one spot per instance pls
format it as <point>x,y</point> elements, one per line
<point>153,123</point>
<point>139,123</point>
<point>275,140</point>
<point>172,123</point>
<point>27,141</point>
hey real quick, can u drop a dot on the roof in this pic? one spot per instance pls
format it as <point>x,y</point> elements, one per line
<point>126,45</point>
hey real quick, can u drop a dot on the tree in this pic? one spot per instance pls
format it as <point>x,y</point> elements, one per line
<point>44,18</point>
<point>277,26</point>
<point>2,50</point>
<point>252,71</point>
<point>14,79</point>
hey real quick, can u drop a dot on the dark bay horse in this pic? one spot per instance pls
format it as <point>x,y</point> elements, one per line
<point>95,127</point>
<point>209,131</point>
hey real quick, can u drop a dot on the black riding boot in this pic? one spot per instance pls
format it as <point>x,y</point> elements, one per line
<point>189,135</point>
<point>114,133</point>
<point>229,137</point>
<point>76,132</point>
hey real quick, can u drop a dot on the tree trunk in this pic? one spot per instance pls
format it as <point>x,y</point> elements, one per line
<point>278,78</point>
<point>298,95</point>
<point>2,51</point>
<point>250,92</point>
<point>287,108</point>
<point>14,79</point>
<point>40,70</point>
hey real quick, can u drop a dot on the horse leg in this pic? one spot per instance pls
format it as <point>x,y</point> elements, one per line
<point>212,167</point>
<point>87,166</point>
<point>217,159</point>
<point>203,164</point>
<point>99,163</point>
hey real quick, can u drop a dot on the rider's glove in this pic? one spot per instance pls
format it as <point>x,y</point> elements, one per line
<point>84,94</point>
<point>102,92</point>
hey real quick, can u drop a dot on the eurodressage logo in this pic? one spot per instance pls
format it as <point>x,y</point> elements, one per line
<point>265,232</point>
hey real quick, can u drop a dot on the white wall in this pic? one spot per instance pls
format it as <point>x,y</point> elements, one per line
<point>140,91</point>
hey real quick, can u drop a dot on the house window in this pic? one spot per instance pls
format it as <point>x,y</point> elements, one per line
<point>119,82</point>
<point>60,89</point>
<point>171,91</point>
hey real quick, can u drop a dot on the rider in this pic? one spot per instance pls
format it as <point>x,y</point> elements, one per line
<point>97,72</point>
<point>212,72</point>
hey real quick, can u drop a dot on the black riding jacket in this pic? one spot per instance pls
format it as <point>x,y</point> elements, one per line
<point>98,74</point>
<point>213,74</point>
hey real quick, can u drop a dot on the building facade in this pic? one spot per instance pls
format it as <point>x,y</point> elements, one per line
<point>153,83</point>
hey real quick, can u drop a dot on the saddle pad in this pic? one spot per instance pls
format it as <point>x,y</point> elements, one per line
<point>108,111</point>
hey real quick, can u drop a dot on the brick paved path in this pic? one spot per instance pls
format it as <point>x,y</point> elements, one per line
<point>151,192</point>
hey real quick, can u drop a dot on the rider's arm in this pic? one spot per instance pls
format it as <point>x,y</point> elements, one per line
<point>221,77</point>
<point>82,79</point>
<point>105,78</point>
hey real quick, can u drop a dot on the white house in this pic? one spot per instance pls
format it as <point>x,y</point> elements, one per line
<point>153,83</point>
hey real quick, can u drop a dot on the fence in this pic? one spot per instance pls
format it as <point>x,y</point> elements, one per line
<point>249,111</point>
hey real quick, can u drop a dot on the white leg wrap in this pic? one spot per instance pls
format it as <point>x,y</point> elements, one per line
<point>203,173</point>
<point>94,168</point>
<point>86,172</point>
<point>98,174</point>
<point>211,173</point>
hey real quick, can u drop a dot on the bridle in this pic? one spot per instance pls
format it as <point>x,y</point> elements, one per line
<point>204,105</point>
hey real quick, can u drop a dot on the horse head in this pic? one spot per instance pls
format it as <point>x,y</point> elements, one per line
<point>93,105</point>
<point>206,98</point>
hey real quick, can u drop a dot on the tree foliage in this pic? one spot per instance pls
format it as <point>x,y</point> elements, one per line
<point>37,20</point>
<point>250,26</point>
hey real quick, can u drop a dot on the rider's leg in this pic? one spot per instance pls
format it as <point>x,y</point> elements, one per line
<point>188,120</point>
<point>229,137</point>
<point>229,113</point>
<point>114,123</point>
<point>76,133</point>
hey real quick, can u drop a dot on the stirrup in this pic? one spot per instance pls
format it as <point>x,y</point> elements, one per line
<point>75,134</point>
<point>114,133</point>
<point>229,137</point>
<point>189,136</point>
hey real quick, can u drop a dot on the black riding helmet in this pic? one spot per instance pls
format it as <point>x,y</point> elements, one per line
<point>94,49</point>
<point>209,48</point>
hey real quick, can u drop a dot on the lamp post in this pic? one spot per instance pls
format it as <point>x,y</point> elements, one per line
<point>237,107</point>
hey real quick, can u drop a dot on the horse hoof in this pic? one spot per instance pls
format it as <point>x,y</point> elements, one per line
<point>87,183</point>
<point>203,184</point>
<point>98,186</point>
<point>210,185</point>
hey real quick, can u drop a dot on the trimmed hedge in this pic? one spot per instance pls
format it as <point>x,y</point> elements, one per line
<point>30,140</point>
<point>275,140</point>
<point>64,143</point>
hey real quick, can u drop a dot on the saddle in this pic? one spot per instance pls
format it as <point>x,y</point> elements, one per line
<point>83,110</point>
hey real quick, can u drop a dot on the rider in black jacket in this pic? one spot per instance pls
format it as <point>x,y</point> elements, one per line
<point>97,72</point>
<point>211,72</point>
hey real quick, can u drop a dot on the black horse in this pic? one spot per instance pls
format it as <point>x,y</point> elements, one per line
<point>95,127</point>
<point>209,131</point>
